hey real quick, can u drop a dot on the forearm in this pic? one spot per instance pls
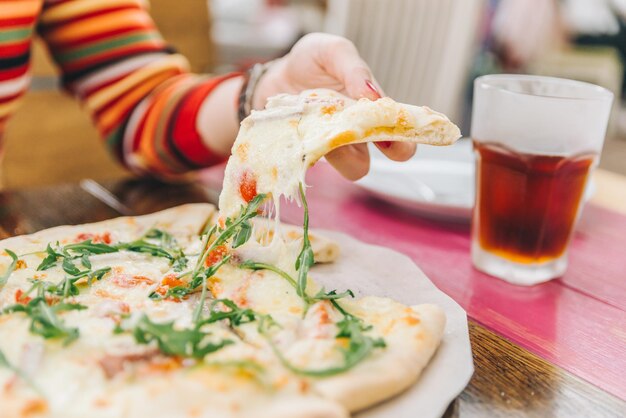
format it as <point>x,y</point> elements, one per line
<point>217,121</point>
<point>142,98</point>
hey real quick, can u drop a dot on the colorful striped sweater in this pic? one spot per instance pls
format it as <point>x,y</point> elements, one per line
<point>142,98</point>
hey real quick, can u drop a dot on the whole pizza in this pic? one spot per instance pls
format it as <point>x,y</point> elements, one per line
<point>191,312</point>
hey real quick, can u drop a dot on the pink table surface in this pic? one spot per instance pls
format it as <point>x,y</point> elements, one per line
<point>577,322</point>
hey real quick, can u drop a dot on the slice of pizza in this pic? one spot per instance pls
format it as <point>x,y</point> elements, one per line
<point>276,146</point>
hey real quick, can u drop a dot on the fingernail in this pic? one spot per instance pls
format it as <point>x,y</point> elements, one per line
<point>383,144</point>
<point>373,88</point>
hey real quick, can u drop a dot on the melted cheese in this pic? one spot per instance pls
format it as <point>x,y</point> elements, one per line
<point>277,145</point>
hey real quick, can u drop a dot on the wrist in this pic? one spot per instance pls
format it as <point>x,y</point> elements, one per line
<point>269,84</point>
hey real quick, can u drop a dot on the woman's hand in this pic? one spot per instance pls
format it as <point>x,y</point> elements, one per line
<point>327,61</point>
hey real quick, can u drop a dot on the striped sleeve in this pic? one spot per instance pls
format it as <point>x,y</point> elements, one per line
<point>17,21</point>
<point>142,98</point>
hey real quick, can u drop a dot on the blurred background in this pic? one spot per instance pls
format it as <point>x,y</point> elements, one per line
<point>422,52</point>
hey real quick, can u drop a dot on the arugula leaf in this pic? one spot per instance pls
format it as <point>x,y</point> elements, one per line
<point>168,242</point>
<point>233,227</point>
<point>234,315</point>
<point>97,275</point>
<point>243,235</point>
<point>165,237</point>
<point>80,250</point>
<point>253,265</point>
<point>4,278</point>
<point>321,295</point>
<point>179,263</point>
<point>84,249</point>
<point>44,318</point>
<point>142,246</point>
<point>90,248</point>
<point>51,258</point>
<point>305,259</point>
<point>84,260</point>
<point>166,247</point>
<point>68,286</point>
<point>175,342</point>
<point>332,295</point>
<point>190,342</point>
<point>360,346</point>
<point>69,267</point>
<point>44,315</point>
<point>46,323</point>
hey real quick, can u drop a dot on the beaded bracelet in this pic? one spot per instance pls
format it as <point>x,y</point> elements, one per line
<point>251,80</point>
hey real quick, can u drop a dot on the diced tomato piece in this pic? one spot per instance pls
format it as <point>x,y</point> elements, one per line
<point>83,237</point>
<point>128,281</point>
<point>171,281</point>
<point>104,238</point>
<point>167,283</point>
<point>21,298</point>
<point>216,255</point>
<point>247,186</point>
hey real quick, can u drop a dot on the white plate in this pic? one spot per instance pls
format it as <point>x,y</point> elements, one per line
<point>438,182</point>
<point>372,270</point>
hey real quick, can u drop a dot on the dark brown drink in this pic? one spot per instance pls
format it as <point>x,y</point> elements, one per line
<point>526,205</point>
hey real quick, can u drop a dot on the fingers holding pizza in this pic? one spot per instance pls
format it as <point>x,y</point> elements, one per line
<point>328,61</point>
<point>352,161</point>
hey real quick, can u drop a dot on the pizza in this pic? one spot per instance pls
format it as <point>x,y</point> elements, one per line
<point>191,312</point>
<point>276,146</point>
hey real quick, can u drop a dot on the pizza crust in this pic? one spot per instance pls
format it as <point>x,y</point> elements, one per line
<point>182,221</point>
<point>352,122</point>
<point>412,336</point>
